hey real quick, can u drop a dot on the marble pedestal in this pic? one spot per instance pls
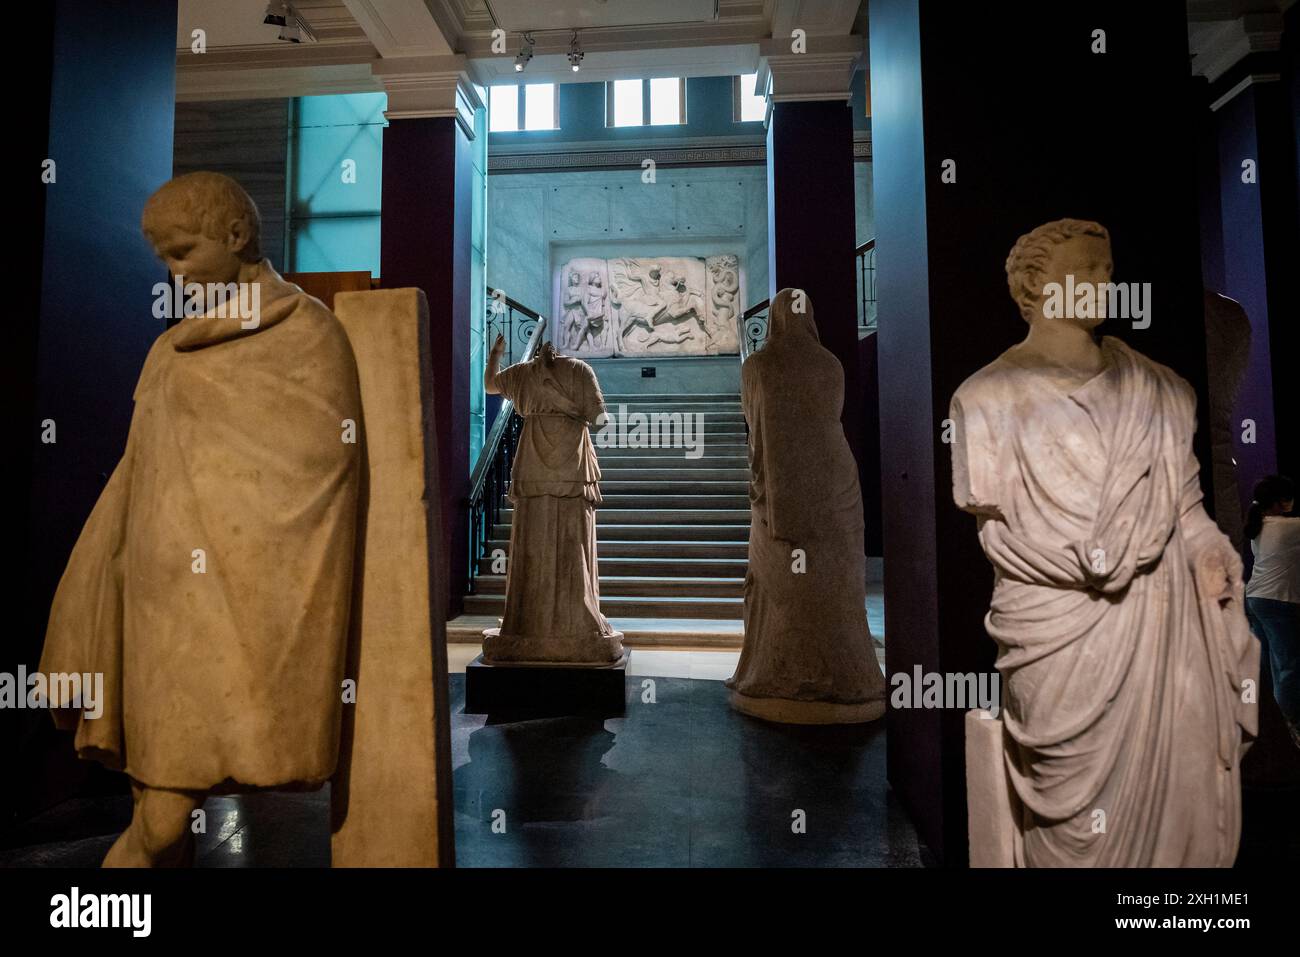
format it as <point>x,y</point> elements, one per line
<point>789,711</point>
<point>546,689</point>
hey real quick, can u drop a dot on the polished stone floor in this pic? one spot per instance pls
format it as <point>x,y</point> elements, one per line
<point>683,781</point>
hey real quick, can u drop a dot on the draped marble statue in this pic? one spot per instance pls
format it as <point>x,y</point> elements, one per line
<point>211,584</point>
<point>552,609</point>
<point>1128,670</point>
<point>808,656</point>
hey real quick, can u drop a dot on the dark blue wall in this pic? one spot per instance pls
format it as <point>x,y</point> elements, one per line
<point>112,99</point>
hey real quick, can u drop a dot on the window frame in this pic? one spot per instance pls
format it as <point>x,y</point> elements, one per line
<point>737,109</point>
<point>645,104</point>
<point>521,109</point>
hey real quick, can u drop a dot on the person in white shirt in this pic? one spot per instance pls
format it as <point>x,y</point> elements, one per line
<point>1273,593</point>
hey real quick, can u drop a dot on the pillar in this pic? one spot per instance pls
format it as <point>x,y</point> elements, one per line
<point>810,199</point>
<point>425,240</point>
<point>101,109</point>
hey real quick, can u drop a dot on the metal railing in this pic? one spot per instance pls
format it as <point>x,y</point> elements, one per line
<point>491,478</point>
<point>752,325</point>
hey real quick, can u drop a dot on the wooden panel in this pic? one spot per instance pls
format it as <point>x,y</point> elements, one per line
<point>323,285</point>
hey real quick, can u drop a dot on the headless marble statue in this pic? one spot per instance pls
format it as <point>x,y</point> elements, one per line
<point>552,610</point>
<point>808,656</point>
<point>1128,670</point>
<point>211,584</point>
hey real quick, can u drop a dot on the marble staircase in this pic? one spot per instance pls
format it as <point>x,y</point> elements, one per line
<point>672,533</point>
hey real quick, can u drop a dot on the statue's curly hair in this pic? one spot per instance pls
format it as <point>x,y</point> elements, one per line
<point>1029,257</point>
<point>204,203</point>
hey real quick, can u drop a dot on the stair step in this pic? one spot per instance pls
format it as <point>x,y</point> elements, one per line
<point>695,473</point>
<point>642,586</point>
<point>670,487</point>
<point>657,533</point>
<point>705,449</point>
<point>671,500</point>
<point>649,548</point>
<point>672,398</point>
<point>674,567</point>
<point>660,516</point>
<point>673,462</point>
<point>619,606</point>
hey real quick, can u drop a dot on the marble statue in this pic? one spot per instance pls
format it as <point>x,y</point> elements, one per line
<point>552,609</point>
<point>808,656</point>
<point>638,306</point>
<point>1128,672</point>
<point>211,585</point>
<point>586,327</point>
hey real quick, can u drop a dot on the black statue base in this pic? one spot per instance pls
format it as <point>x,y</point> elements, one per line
<point>545,691</point>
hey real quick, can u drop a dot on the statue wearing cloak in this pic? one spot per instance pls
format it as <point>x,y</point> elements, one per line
<point>1126,661</point>
<point>211,584</point>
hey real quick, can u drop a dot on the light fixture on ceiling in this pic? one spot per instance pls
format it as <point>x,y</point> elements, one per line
<point>525,53</point>
<point>575,53</point>
<point>291,23</point>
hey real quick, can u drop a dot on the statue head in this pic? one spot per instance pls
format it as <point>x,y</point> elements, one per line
<point>1066,247</point>
<point>594,280</point>
<point>791,314</point>
<point>574,278</point>
<point>203,226</point>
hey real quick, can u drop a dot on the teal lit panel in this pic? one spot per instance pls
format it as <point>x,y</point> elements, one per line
<point>346,109</point>
<point>320,185</point>
<point>342,244</point>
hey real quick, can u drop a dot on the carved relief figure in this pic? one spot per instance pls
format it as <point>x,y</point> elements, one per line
<point>573,309</point>
<point>649,306</point>
<point>724,284</point>
<point>583,326</point>
<point>1117,605</point>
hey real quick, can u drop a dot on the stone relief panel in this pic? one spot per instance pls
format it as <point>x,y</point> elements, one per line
<point>584,326</point>
<point>644,306</point>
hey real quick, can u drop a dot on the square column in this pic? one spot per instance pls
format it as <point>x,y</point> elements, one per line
<point>425,238</point>
<point>810,197</point>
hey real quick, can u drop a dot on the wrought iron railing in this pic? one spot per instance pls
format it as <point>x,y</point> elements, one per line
<point>491,478</point>
<point>752,325</point>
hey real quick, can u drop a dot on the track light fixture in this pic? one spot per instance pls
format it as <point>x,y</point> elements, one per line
<point>575,53</point>
<point>525,53</point>
<point>291,23</point>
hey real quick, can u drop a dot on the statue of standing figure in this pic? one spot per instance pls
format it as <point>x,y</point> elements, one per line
<point>808,657</point>
<point>1128,670</point>
<point>552,609</point>
<point>212,583</point>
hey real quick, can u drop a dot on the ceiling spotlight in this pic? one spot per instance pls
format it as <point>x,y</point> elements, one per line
<point>291,23</point>
<point>525,53</point>
<point>575,53</point>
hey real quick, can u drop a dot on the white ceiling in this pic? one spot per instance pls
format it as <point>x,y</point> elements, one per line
<point>528,15</point>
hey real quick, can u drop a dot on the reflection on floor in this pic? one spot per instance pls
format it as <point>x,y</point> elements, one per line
<point>680,780</point>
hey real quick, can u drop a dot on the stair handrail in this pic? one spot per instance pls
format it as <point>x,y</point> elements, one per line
<point>491,472</point>
<point>751,327</point>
